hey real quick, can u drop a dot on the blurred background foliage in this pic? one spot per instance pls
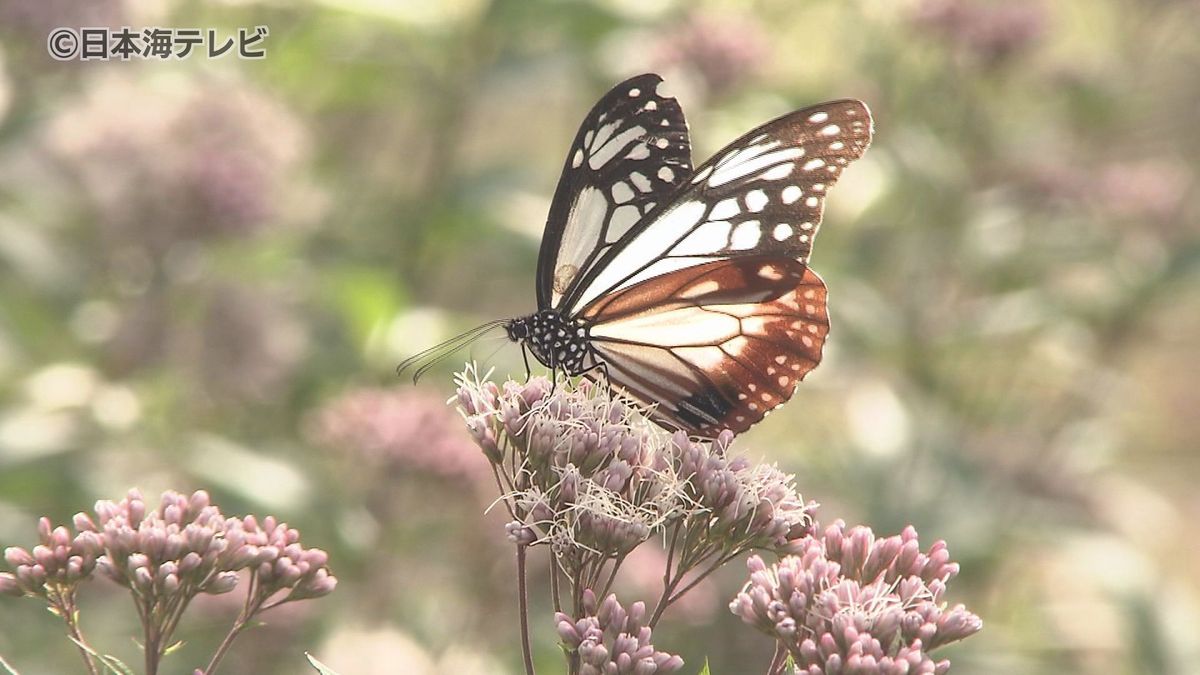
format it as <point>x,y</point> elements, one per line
<point>209,268</point>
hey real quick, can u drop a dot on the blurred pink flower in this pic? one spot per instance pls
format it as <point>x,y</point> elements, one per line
<point>1149,188</point>
<point>167,161</point>
<point>723,49</point>
<point>643,574</point>
<point>989,31</point>
<point>401,430</point>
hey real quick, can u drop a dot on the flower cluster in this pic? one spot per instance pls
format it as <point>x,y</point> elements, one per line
<point>59,562</point>
<point>166,556</point>
<point>848,602</point>
<point>581,471</point>
<point>741,505</point>
<point>186,547</point>
<point>609,639</point>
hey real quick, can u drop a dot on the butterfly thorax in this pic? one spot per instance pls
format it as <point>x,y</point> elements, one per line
<point>556,341</point>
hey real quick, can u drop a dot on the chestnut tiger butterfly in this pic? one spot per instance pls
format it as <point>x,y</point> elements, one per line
<point>688,289</point>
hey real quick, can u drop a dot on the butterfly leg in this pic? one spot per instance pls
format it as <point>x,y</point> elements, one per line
<point>525,356</point>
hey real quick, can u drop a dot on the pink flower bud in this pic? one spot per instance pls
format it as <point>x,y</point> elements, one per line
<point>16,556</point>
<point>222,583</point>
<point>9,585</point>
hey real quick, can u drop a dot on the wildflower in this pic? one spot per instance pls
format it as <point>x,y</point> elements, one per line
<point>610,639</point>
<point>742,506</point>
<point>185,547</point>
<point>166,557</point>
<point>847,601</point>
<point>579,470</point>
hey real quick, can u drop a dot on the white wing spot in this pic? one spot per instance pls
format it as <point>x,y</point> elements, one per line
<point>781,359</point>
<point>806,226</point>
<point>810,294</point>
<point>807,341</point>
<point>836,146</point>
<point>814,164</point>
<point>812,202</point>
<point>724,209</point>
<point>640,181</point>
<point>666,174</point>
<point>621,192</point>
<point>818,187</point>
<point>577,159</point>
<point>639,151</point>
<point>662,143</point>
<point>745,235</point>
<point>781,171</point>
<point>783,380</point>
<point>752,159</point>
<point>791,193</point>
<point>752,406</point>
<point>708,238</point>
<point>782,231</point>
<point>756,200</point>
<point>665,123</point>
<point>609,147</point>
<point>831,130</point>
<point>635,92</point>
<point>818,117</point>
<point>623,218</point>
<point>811,310</point>
<point>804,239</point>
<point>771,273</point>
<point>651,105</point>
<point>701,289</point>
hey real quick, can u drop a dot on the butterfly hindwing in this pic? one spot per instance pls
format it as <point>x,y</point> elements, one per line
<point>762,194</point>
<point>714,346</point>
<point>630,154</point>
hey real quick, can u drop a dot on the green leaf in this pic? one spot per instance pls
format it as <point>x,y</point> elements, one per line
<point>7,668</point>
<point>704,670</point>
<point>321,667</point>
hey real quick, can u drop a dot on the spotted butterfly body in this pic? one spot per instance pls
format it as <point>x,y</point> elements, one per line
<point>689,289</point>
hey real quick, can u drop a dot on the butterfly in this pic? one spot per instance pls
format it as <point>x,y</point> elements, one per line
<point>688,289</point>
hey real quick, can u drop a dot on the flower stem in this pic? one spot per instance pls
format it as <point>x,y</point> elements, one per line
<point>251,607</point>
<point>777,660</point>
<point>70,616</point>
<point>234,631</point>
<point>523,603</point>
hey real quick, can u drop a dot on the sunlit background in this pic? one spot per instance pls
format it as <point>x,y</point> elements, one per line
<point>210,267</point>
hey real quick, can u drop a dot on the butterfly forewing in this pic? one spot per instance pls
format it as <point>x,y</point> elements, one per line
<point>762,194</point>
<point>630,154</point>
<point>714,346</point>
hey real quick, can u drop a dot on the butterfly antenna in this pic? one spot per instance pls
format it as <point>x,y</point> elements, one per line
<point>427,358</point>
